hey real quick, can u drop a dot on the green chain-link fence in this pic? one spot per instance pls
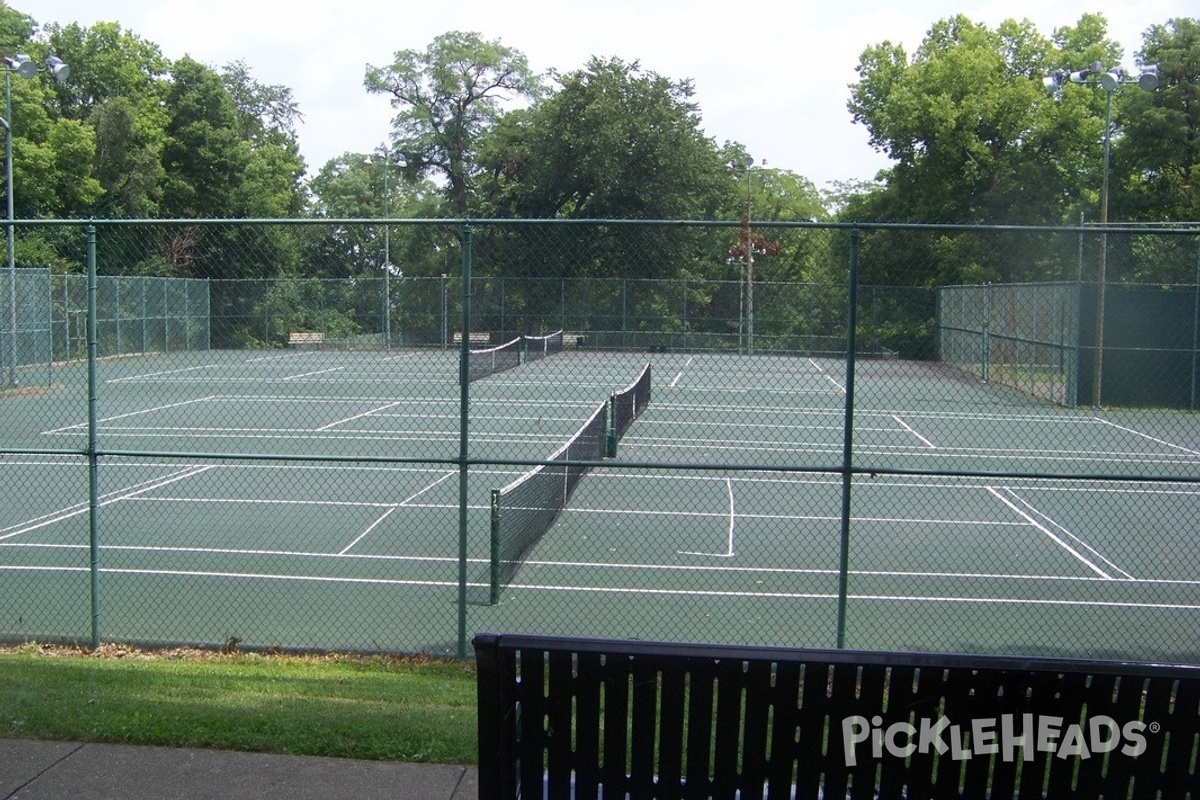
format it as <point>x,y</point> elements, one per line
<point>893,437</point>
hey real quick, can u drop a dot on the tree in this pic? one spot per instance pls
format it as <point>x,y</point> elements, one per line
<point>266,123</point>
<point>204,156</point>
<point>977,139</point>
<point>352,186</point>
<point>447,97</point>
<point>967,122</point>
<point>613,141</point>
<point>52,154</point>
<point>1159,155</point>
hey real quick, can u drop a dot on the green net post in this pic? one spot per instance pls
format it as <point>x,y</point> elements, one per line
<point>610,445</point>
<point>494,593</point>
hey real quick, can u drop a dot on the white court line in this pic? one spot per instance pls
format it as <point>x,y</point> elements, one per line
<point>357,416</point>
<point>778,517</point>
<point>388,513</point>
<point>897,598</point>
<point>254,576</point>
<point>368,529</point>
<point>1003,601</point>
<point>279,357</point>
<point>982,453</point>
<point>1100,556</point>
<point>679,375</point>
<point>1058,540</point>
<point>763,570</point>
<point>913,431</point>
<point>1154,439</point>
<point>841,387</point>
<point>231,551</point>
<point>310,374</point>
<point>78,508</point>
<point>732,516</point>
<point>145,375</point>
<point>83,508</point>
<point>150,410</point>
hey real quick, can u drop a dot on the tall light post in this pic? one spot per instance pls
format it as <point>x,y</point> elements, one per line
<point>746,163</point>
<point>1110,80</point>
<point>387,244</point>
<point>24,66</point>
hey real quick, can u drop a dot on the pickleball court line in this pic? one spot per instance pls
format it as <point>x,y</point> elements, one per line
<point>144,375</point>
<point>105,499</point>
<point>679,375</point>
<point>731,515</point>
<point>1124,574</point>
<point>299,375</point>
<point>367,413</point>
<point>913,431</point>
<point>1154,439</point>
<point>1062,543</point>
<point>151,410</point>
<point>392,509</point>
<point>897,598</point>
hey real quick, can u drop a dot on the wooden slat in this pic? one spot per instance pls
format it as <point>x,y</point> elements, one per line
<point>588,697</point>
<point>666,720</point>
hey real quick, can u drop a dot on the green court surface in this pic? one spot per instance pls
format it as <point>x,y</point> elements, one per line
<point>316,499</point>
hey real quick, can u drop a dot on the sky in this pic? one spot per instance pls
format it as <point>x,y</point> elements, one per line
<point>773,75</point>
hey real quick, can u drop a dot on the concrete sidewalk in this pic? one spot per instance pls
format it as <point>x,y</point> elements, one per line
<point>35,769</point>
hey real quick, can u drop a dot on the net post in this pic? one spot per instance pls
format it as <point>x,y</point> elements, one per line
<point>610,446</point>
<point>494,592</point>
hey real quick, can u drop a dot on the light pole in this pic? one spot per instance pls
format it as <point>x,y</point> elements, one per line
<point>24,66</point>
<point>747,162</point>
<point>387,245</point>
<point>1110,80</point>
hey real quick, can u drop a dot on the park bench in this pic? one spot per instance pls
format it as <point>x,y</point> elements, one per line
<point>305,338</point>
<point>588,718</point>
<point>475,338</point>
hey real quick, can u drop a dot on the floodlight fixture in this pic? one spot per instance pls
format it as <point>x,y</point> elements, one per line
<point>1148,79</point>
<point>1111,79</point>
<point>58,68</point>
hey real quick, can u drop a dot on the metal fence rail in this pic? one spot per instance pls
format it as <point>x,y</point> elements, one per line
<point>897,437</point>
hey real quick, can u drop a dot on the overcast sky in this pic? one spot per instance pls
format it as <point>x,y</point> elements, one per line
<point>771,74</point>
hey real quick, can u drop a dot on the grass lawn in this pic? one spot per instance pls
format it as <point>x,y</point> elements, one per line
<point>381,708</point>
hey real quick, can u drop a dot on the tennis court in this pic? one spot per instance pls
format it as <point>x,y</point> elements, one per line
<point>318,497</point>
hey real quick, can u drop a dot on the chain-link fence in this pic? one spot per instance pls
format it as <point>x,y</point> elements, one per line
<point>134,316</point>
<point>887,437</point>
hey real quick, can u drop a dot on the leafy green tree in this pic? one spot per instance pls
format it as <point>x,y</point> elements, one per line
<point>614,141</point>
<point>52,154</point>
<point>352,186</point>
<point>446,97</point>
<point>1158,157</point>
<point>961,121</point>
<point>266,122</point>
<point>117,86</point>
<point>204,156</point>
<point>977,139</point>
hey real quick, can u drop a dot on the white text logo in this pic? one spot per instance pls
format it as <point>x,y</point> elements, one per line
<point>1028,733</point>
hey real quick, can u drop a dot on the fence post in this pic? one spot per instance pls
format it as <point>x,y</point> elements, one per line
<point>464,384</point>
<point>848,441</point>
<point>985,355</point>
<point>1196,328</point>
<point>93,460</point>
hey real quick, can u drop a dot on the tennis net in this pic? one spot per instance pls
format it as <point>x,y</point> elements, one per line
<point>525,509</point>
<point>490,360</point>
<point>626,406</point>
<point>538,347</point>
